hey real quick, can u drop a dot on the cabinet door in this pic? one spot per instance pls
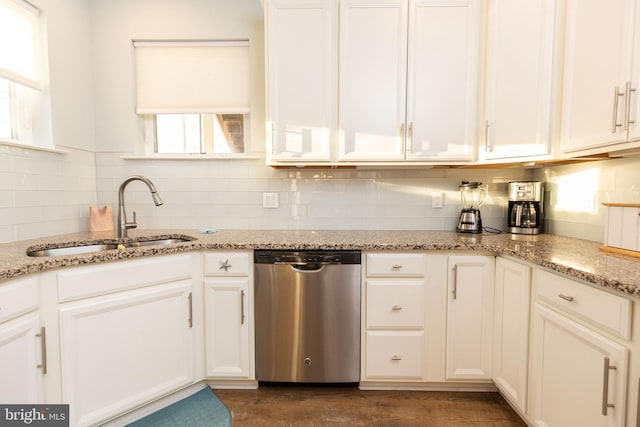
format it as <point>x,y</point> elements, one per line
<point>518,80</point>
<point>126,349</point>
<point>511,330</point>
<point>373,57</point>
<point>227,332</point>
<point>442,79</point>
<point>470,317</point>
<point>597,66</point>
<point>570,374</point>
<point>21,360</point>
<point>302,78</point>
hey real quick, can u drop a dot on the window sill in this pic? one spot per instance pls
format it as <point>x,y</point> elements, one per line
<point>192,157</point>
<point>32,147</point>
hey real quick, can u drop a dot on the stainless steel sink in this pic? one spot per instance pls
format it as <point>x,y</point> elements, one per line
<point>99,247</point>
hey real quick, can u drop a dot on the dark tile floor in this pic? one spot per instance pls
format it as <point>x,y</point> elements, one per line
<point>333,406</point>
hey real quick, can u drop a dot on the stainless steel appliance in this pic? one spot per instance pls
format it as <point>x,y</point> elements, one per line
<point>307,316</point>
<point>526,207</point>
<point>472,195</point>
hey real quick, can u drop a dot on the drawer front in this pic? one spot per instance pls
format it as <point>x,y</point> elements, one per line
<point>17,297</point>
<point>395,304</point>
<point>394,355</point>
<point>600,308</point>
<point>105,279</point>
<point>395,265</point>
<point>227,263</point>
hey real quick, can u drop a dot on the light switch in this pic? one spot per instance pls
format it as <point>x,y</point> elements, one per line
<point>437,200</point>
<point>270,200</point>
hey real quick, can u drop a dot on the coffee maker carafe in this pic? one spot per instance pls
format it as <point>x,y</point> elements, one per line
<point>472,196</point>
<point>525,213</point>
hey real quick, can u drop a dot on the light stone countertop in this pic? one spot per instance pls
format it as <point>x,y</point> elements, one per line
<point>576,258</point>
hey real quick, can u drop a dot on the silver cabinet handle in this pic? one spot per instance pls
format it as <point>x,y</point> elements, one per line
<point>488,146</point>
<point>396,357</point>
<point>396,308</point>
<point>616,96</point>
<point>627,113</point>
<point>396,266</point>
<point>43,346</point>
<point>242,307</point>
<point>402,138</point>
<point>190,298</point>
<point>566,297</point>
<point>273,139</point>
<point>605,387</point>
<point>454,291</point>
<point>410,138</point>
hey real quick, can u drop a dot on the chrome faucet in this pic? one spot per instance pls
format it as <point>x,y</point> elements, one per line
<point>123,225</point>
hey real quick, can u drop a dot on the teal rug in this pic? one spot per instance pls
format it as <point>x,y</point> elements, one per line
<point>200,409</point>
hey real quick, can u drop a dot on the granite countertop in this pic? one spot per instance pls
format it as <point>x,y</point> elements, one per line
<point>576,258</point>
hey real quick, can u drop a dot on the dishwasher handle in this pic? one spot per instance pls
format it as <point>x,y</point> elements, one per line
<point>308,267</point>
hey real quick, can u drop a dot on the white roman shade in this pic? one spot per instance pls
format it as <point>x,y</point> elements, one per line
<point>192,77</point>
<point>19,43</point>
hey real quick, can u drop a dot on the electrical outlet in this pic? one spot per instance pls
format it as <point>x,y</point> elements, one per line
<point>270,200</point>
<point>437,200</point>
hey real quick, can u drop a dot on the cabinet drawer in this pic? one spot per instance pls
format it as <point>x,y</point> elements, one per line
<point>226,263</point>
<point>17,297</point>
<point>394,355</point>
<point>395,304</point>
<point>105,279</point>
<point>396,265</point>
<point>602,309</point>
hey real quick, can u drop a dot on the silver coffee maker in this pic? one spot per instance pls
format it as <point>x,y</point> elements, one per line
<point>526,212</point>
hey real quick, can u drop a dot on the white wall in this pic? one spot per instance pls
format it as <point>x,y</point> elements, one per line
<point>43,193</point>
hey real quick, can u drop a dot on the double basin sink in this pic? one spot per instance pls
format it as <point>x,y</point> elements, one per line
<point>82,249</point>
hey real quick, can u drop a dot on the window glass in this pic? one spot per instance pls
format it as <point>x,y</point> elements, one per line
<point>200,133</point>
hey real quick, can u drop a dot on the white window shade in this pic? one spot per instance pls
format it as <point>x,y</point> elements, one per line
<point>192,77</point>
<point>19,43</point>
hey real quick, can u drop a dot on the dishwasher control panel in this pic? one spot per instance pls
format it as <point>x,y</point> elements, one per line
<point>306,257</point>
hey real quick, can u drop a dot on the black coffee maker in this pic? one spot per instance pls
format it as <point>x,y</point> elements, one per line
<point>525,213</point>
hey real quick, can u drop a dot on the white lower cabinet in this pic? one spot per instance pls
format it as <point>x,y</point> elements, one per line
<point>22,343</point>
<point>124,349</point>
<point>470,317</point>
<point>403,317</point>
<point>579,372</point>
<point>21,361</point>
<point>228,308</point>
<point>227,328</point>
<point>511,331</point>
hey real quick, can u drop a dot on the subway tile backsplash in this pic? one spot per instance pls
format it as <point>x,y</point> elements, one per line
<point>43,193</point>
<point>228,194</point>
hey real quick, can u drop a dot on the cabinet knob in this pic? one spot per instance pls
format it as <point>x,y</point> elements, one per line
<point>224,265</point>
<point>396,357</point>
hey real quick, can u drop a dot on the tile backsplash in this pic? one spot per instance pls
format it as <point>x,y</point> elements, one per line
<point>228,195</point>
<point>44,193</point>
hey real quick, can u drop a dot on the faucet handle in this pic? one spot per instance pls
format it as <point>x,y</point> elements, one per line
<point>132,224</point>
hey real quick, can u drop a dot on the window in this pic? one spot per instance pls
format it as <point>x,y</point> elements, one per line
<point>194,96</point>
<point>24,108</point>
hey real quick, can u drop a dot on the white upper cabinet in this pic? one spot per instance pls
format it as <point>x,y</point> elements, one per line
<point>442,80</point>
<point>301,36</point>
<point>408,80</point>
<point>373,61</point>
<point>600,93</point>
<point>519,72</point>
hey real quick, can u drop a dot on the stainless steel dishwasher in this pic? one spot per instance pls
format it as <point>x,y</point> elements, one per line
<point>307,316</point>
